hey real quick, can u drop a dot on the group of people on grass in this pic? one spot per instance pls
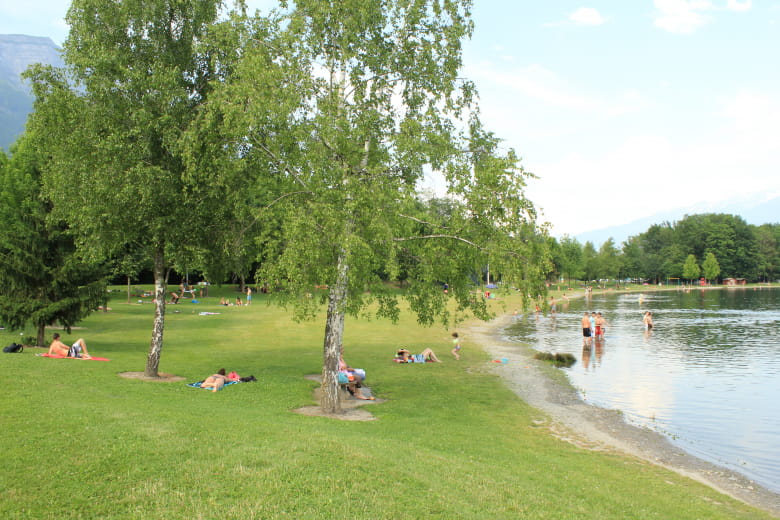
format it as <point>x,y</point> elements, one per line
<point>217,381</point>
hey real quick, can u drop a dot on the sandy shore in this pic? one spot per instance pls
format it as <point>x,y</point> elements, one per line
<point>595,428</point>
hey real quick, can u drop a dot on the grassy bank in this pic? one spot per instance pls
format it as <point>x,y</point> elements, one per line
<point>450,442</point>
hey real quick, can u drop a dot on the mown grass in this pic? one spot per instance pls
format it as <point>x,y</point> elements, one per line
<point>450,442</point>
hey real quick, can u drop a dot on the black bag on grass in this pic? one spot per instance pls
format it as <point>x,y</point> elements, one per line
<point>13,348</point>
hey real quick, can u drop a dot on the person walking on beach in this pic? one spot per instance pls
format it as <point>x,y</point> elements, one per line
<point>456,345</point>
<point>586,329</point>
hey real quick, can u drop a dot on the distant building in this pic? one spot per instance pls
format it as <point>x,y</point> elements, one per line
<point>734,281</point>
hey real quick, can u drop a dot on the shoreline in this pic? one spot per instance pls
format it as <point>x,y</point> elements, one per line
<point>599,429</point>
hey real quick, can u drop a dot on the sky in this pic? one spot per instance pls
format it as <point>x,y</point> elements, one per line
<point>621,109</point>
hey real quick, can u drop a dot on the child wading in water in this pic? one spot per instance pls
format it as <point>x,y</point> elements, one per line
<point>456,345</point>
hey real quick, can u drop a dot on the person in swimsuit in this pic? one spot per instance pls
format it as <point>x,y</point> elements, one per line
<point>648,321</point>
<point>600,324</point>
<point>455,345</point>
<point>215,381</point>
<point>355,384</point>
<point>585,329</point>
<point>404,356</point>
<point>57,347</point>
<point>77,350</point>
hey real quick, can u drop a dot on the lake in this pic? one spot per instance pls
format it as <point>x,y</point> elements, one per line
<point>707,376</point>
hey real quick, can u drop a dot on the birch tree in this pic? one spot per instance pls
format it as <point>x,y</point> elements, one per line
<point>339,110</point>
<point>136,72</point>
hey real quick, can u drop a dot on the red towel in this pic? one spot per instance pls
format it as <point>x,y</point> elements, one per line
<point>93,358</point>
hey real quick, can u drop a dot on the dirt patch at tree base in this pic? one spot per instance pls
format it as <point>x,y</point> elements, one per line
<point>161,377</point>
<point>350,407</point>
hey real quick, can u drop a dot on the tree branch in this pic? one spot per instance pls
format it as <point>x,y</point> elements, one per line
<point>451,237</point>
<point>419,221</point>
<point>276,159</point>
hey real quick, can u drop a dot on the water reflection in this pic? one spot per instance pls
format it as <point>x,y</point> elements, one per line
<point>707,374</point>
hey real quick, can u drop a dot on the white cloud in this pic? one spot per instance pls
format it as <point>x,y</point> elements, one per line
<point>681,16</point>
<point>536,83</point>
<point>685,16</point>
<point>642,175</point>
<point>736,5</point>
<point>752,120</point>
<point>627,102</point>
<point>586,16</point>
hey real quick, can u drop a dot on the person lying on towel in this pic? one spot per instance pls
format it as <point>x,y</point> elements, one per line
<point>404,356</point>
<point>77,350</point>
<point>216,381</point>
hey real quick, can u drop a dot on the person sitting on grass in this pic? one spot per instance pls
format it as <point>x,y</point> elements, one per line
<point>215,381</point>
<point>174,298</point>
<point>404,356</point>
<point>77,350</point>
<point>356,377</point>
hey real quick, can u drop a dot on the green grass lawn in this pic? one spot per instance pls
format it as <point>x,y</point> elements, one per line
<point>450,442</point>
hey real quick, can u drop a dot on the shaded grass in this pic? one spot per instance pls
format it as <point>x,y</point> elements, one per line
<point>450,442</point>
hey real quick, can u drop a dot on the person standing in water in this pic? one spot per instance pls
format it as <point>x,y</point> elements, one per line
<point>648,321</point>
<point>601,325</point>
<point>586,329</point>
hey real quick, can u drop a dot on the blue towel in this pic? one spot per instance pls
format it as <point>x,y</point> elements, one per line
<point>197,385</point>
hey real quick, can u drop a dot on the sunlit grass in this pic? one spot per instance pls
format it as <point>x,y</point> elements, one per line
<point>449,441</point>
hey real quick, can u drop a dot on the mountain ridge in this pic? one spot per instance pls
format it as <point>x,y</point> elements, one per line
<point>753,212</point>
<point>17,52</point>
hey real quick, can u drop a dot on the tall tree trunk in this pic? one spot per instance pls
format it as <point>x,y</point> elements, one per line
<point>155,349</point>
<point>41,334</point>
<point>334,336</point>
<point>128,290</point>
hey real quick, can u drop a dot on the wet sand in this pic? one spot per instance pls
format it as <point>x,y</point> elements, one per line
<point>590,427</point>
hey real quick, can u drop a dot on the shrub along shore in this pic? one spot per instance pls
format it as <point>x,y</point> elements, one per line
<point>450,440</point>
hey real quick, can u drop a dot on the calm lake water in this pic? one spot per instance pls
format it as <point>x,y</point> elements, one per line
<point>708,376</point>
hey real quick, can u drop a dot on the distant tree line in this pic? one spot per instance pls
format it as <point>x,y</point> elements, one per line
<point>713,245</point>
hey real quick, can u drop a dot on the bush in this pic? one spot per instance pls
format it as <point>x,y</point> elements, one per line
<point>559,360</point>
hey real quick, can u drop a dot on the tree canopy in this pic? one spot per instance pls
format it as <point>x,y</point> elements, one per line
<point>346,106</point>
<point>43,279</point>
<point>139,69</point>
<point>298,139</point>
<point>670,250</point>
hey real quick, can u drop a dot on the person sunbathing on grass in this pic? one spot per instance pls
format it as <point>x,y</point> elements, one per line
<point>404,356</point>
<point>215,381</point>
<point>77,350</point>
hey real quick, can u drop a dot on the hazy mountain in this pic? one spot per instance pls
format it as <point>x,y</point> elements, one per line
<point>17,52</point>
<point>756,210</point>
